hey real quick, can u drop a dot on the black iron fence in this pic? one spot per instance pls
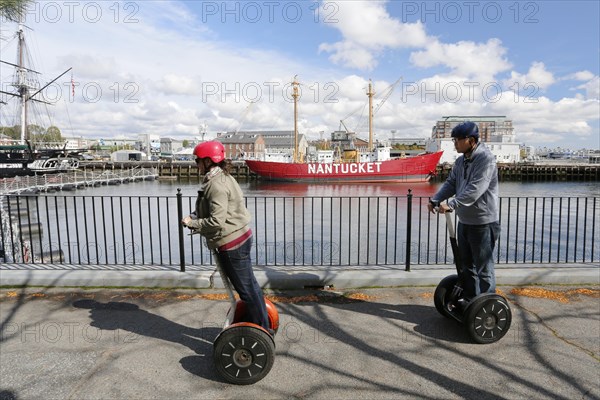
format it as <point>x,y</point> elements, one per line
<point>288,231</point>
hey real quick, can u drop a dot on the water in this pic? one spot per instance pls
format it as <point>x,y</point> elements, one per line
<point>290,189</point>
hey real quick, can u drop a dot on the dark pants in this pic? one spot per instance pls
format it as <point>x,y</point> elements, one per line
<point>237,265</point>
<point>476,245</point>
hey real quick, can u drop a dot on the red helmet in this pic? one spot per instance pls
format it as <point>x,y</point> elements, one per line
<point>213,150</point>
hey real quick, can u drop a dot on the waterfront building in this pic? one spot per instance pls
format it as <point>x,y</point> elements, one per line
<point>128,155</point>
<point>489,126</point>
<point>261,145</point>
<point>169,146</point>
<point>116,142</point>
<point>496,131</point>
<point>242,145</point>
<point>149,144</point>
<point>282,142</point>
<point>416,141</point>
<point>77,142</point>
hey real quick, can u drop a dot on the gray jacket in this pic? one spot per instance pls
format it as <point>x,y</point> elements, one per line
<point>474,182</point>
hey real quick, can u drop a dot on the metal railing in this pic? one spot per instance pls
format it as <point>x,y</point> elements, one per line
<point>288,231</point>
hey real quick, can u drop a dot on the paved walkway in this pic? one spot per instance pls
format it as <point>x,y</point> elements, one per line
<point>282,277</point>
<point>385,343</point>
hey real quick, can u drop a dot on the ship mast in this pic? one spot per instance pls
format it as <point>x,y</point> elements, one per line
<point>370,93</point>
<point>295,96</point>
<point>22,85</point>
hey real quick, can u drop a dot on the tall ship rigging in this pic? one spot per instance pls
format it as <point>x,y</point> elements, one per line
<point>345,163</point>
<point>19,156</point>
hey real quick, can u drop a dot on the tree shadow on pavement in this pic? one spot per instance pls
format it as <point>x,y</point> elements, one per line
<point>428,322</point>
<point>7,395</point>
<point>131,318</point>
<point>436,329</point>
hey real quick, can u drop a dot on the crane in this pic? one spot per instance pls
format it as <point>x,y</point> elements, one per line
<point>385,96</point>
<point>243,116</point>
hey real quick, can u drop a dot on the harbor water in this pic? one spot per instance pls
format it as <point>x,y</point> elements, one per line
<point>253,188</point>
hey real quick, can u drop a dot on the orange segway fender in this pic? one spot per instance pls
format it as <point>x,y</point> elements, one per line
<point>240,314</point>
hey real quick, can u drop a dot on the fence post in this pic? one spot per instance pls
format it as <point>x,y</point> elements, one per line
<point>408,227</point>
<point>180,229</point>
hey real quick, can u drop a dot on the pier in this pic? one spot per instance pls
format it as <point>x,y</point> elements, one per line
<point>73,180</point>
<point>524,172</point>
<point>165,170</point>
<point>521,172</point>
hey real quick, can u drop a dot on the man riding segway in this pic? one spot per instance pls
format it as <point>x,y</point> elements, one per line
<point>473,181</point>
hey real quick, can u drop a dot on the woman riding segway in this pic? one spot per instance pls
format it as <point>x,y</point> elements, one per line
<point>222,218</point>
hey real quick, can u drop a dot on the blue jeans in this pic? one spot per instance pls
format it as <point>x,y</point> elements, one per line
<point>237,265</point>
<point>476,245</point>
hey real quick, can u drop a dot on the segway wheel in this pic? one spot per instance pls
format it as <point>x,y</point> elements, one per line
<point>243,354</point>
<point>488,318</point>
<point>441,297</point>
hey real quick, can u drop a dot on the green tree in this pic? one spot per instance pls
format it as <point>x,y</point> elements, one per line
<point>185,143</point>
<point>39,134</point>
<point>14,132</point>
<point>53,134</point>
<point>35,131</point>
<point>13,10</point>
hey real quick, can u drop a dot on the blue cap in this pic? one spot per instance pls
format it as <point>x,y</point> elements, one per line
<point>466,129</point>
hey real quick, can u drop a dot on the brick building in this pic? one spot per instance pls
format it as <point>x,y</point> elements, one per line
<point>242,145</point>
<point>255,144</point>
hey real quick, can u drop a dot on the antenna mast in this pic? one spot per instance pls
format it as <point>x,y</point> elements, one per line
<point>370,93</point>
<point>295,96</point>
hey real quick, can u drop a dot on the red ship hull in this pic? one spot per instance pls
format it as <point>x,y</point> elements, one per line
<point>411,169</point>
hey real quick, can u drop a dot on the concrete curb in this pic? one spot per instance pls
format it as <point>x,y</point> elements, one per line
<point>87,278</point>
<point>276,279</point>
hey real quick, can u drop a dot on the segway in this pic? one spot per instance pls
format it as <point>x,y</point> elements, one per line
<point>244,352</point>
<point>487,317</point>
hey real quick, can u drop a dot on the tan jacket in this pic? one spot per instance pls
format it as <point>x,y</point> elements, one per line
<point>221,214</point>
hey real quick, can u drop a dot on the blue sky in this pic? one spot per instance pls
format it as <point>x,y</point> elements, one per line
<point>163,67</point>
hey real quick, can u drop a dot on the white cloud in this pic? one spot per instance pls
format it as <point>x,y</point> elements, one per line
<point>367,30</point>
<point>179,85</point>
<point>537,76</point>
<point>350,55</point>
<point>89,66</point>
<point>543,120</point>
<point>465,58</point>
<point>580,76</point>
<point>592,88</point>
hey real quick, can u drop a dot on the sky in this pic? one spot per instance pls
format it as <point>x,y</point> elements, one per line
<point>179,68</point>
